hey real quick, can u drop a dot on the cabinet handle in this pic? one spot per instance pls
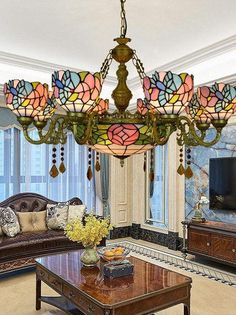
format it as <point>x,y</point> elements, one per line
<point>71,295</point>
<point>91,309</point>
<point>208,244</point>
<point>233,250</point>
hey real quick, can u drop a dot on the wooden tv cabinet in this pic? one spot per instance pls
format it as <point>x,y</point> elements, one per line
<point>212,240</point>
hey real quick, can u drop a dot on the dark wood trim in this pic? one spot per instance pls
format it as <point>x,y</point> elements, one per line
<point>22,196</point>
<point>212,240</point>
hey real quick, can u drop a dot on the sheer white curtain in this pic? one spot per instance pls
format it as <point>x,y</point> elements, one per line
<point>25,167</point>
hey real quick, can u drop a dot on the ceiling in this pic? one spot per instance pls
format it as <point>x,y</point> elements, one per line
<point>79,33</point>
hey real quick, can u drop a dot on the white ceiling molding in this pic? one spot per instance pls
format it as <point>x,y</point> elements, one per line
<point>39,65</point>
<point>194,58</point>
<point>179,64</point>
<point>229,79</point>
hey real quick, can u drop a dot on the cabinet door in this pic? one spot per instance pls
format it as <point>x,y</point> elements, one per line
<point>223,247</point>
<point>198,241</point>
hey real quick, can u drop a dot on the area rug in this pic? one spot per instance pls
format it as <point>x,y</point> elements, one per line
<point>208,297</point>
<point>157,256</point>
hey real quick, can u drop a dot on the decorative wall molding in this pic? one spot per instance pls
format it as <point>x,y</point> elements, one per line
<point>189,60</point>
<point>39,65</point>
<point>194,58</point>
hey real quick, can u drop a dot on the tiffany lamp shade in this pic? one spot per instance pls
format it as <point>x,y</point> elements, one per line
<point>219,100</point>
<point>24,98</point>
<point>168,93</point>
<point>197,112</point>
<point>76,92</point>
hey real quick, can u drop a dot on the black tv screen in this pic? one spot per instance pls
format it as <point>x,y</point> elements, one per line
<point>222,183</point>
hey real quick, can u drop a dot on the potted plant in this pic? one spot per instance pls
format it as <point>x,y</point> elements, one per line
<point>90,235</point>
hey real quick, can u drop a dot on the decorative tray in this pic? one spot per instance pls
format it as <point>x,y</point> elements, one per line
<point>113,253</point>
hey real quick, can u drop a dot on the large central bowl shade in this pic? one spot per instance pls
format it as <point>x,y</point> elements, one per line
<point>121,140</point>
<point>168,93</point>
<point>76,92</point>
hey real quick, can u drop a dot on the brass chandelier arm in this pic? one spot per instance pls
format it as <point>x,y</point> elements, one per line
<point>59,134</point>
<point>189,136</point>
<point>88,131</point>
<point>54,135</point>
<point>160,137</point>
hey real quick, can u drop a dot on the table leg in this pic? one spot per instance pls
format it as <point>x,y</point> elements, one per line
<point>187,308</point>
<point>38,294</point>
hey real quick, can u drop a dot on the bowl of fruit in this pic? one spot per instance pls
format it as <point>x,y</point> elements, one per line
<point>113,253</point>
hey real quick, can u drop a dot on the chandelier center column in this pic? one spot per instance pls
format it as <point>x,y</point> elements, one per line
<point>122,53</point>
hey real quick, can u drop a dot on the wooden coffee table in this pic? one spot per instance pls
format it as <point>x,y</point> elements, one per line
<point>85,291</point>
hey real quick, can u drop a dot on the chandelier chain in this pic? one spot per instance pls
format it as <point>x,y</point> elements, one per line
<point>138,65</point>
<point>106,65</point>
<point>123,29</point>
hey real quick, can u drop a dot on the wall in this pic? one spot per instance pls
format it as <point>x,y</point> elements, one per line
<point>199,183</point>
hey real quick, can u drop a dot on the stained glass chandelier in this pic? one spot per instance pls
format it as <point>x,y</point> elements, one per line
<point>169,106</point>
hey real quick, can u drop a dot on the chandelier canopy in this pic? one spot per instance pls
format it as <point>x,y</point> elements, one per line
<point>169,105</point>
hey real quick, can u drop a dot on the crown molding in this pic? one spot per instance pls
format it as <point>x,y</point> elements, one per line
<point>192,59</point>
<point>229,79</point>
<point>39,65</point>
<point>189,60</point>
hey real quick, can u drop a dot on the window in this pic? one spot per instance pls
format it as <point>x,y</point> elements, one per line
<point>25,167</point>
<point>156,196</point>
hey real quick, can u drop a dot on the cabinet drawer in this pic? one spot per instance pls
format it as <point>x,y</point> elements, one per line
<point>42,274</point>
<point>199,241</point>
<point>223,247</point>
<point>54,283</point>
<point>86,306</point>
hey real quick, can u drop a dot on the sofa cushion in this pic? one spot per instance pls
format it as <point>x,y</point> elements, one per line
<point>9,222</point>
<point>76,211</point>
<point>32,221</point>
<point>57,215</point>
<point>1,231</point>
<point>24,239</point>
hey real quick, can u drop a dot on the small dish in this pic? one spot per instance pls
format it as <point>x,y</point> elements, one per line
<point>113,253</point>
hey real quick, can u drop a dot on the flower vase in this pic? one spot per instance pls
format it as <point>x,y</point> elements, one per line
<point>89,257</point>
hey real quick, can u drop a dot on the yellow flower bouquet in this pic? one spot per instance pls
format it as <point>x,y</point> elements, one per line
<point>89,234</point>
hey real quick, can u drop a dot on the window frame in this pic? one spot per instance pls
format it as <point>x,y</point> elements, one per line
<point>163,224</point>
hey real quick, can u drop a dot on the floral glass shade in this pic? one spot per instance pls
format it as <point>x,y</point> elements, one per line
<point>219,100</point>
<point>76,92</point>
<point>48,110</point>
<point>196,111</point>
<point>121,139</point>
<point>142,107</point>
<point>168,93</point>
<point>25,98</point>
<point>101,106</point>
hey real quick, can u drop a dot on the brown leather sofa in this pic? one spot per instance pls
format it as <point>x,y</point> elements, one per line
<point>19,252</point>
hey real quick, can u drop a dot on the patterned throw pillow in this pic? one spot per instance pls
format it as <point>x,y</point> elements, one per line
<point>57,215</point>
<point>32,221</point>
<point>76,211</point>
<point>9,222</point>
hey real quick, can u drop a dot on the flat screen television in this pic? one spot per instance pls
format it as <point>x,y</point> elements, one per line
<point>222,183</point>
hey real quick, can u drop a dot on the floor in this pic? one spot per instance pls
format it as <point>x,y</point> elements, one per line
<point>17,294</point>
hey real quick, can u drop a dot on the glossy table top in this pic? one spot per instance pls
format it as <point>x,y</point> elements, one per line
<point>146,280</point>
